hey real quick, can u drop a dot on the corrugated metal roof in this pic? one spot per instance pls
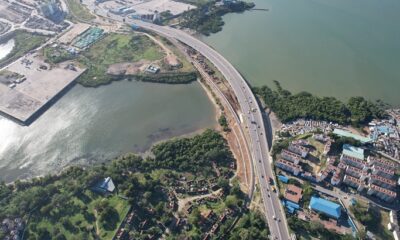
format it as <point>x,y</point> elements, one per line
<point>344,133</point>
<point>353,151</point>
<point>283,179</point>
<point>325,206</point>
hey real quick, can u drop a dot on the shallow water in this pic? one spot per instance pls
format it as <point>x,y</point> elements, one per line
<point>90,125</point>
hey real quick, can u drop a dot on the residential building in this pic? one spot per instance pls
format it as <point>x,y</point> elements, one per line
<point>290,156</point>
<point>383,172</point>
<point>382,181</point>
<point>396,234</point>
<point>288,166</point>
<point>327,148</point>
<point>382,193</point>
<point>352,161</point>
<point>105,186</point>
<point>293,193</point>
<point>321,138</point>
<point>336,174</point>
<point>353,171</point>
<point>382,162</point>
<point>322,175</point>
<point>354,182</point>
<point>309,176</point>
<point>303,151</point>
<point>342,166</point>
<point>336,179</point>
<point>326,207</point>
<point>301,142</point>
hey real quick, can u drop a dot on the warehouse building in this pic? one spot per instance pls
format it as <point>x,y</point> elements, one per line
<point>325,207</point>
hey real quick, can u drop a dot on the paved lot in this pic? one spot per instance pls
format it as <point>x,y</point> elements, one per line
<point>40,86</point>
<point>73,32</point>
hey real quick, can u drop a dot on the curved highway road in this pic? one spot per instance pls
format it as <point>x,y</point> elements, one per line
<point>251,112</point>
<point>254,121</point>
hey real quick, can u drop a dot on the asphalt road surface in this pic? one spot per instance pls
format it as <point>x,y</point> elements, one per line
<point>251,114</point>
<point>253,118</point>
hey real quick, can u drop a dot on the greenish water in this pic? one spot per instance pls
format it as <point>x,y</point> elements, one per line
<point>90,125</point>
<point>335,48</point>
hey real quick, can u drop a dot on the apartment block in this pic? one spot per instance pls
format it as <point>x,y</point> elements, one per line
<point>353,161</point>
<point>382,163</point>
<point>383,172</point>
<point>382,181</point>
<point>353,171</point>
<point>303,151</point>
<point>382,193</point>
<point>290,156</point>
<point>288,166</point>
<point>354,182</point>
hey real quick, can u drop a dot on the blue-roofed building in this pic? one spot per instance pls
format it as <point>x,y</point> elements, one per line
<point>290,209</point>
<point>292,205</point>
<point>353,151</point>
<point>105,186</point>
<point>326,207</point>
<point>344,133</point>
<point>283,179</point>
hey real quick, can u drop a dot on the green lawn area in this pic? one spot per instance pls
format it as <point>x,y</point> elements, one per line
<point>115,48</point>
<point>79,220</point>
<point>122,208</point>
<point>78,11</point>
<point>24,42</point>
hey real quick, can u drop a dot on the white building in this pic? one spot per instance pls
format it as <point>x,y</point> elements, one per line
<point>303,151</point>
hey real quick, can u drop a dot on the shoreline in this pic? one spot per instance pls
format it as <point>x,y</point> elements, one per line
<point>144,153</point>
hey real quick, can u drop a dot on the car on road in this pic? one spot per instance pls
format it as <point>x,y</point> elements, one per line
<point>271,181</point>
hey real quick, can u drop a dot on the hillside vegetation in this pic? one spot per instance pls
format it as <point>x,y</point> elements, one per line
<point>64,206</point>
<point>287,106</point>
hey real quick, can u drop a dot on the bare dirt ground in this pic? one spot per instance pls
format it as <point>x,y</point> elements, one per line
<point>235,140</point>
<point>127,68</point>
<point>170,58</point>
<point>182,202</point>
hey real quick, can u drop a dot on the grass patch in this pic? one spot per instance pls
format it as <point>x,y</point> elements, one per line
<point>78,11</point>
<point>373,218</point>
<point>76,217</point>
<point>379,224</point>
<point>56,55</point>
<point>24,42</point>
<point>115,48</point>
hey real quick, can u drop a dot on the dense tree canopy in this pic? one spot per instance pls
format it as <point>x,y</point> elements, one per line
<point>288,106</point>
